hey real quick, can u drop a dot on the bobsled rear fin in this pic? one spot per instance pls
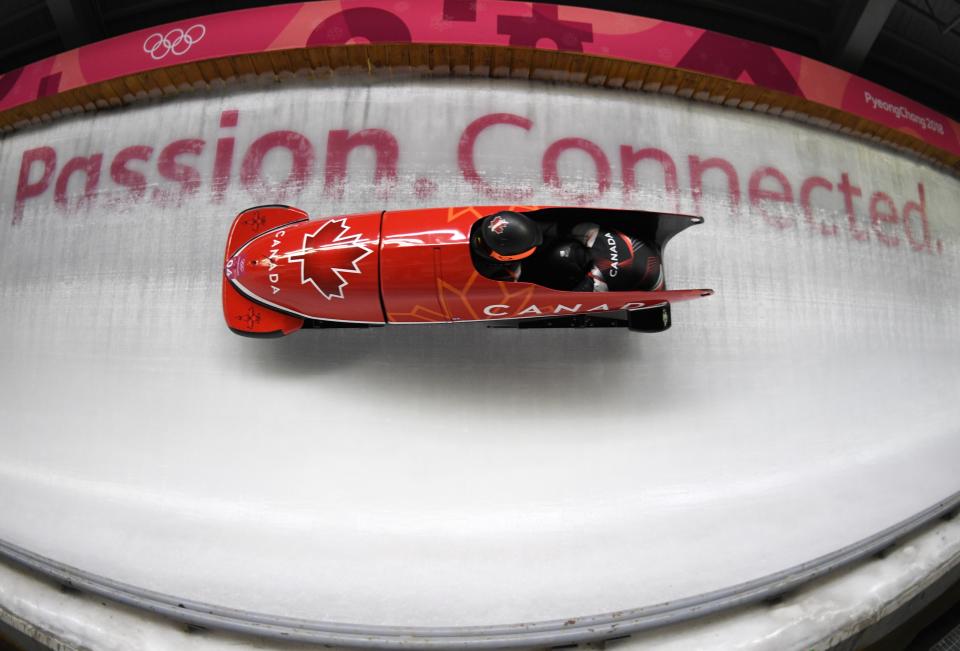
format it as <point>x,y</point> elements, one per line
<point>258,220</point>
<point>669,224</point>
<point>245,317</point>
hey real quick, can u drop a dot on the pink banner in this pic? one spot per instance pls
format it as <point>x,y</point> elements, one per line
<point>478,22</point>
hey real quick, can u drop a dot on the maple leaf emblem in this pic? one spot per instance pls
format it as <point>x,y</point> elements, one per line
<point>341,254</point>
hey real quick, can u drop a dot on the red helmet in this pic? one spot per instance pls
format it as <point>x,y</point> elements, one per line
<point>507,236</point>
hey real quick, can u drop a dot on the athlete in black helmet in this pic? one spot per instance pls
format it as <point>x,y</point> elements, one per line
<point>586,258</point>
<point>599,259</point>
<point>501,240</point>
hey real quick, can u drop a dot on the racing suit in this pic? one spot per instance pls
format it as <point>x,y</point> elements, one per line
<point>586,258</point>
<point>596,259</point>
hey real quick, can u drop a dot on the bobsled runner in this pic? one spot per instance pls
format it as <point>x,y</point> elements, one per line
<point>284,271</point>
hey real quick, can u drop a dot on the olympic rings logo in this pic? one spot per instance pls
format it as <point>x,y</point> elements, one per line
<point>176,42</point>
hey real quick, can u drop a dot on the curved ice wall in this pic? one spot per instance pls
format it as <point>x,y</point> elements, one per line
<point>358,475</point>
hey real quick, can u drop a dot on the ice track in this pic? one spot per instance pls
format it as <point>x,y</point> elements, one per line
<point>458,476</point>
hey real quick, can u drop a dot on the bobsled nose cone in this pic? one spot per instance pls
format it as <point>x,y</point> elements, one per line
<point>254,271</point>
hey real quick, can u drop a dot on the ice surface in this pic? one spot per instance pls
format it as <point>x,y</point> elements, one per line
<point>458,475</point>
<point>815,618</point>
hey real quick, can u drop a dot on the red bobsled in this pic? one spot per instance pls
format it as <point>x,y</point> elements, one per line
<point>284,271</point>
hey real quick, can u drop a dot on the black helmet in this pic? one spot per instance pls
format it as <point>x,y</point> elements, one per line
<point>506,236</point>
<point>569,263</point>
